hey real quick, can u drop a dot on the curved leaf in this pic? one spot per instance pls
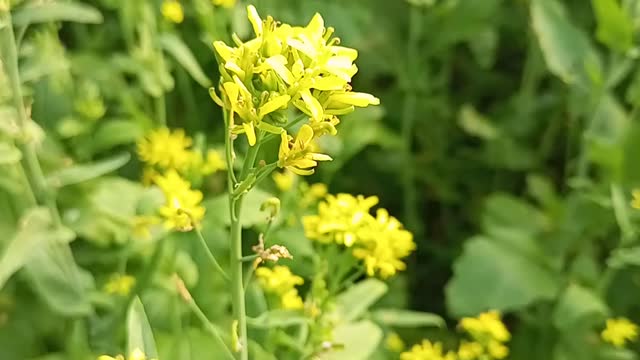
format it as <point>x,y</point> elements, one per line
<point>179,50</point>
<point>44,12</point>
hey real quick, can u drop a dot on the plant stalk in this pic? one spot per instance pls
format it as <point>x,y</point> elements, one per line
<point>237,284</point>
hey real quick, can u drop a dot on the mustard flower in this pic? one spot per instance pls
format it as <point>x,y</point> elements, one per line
<point>393,342</point>
<point>182,210</point>
<point>282,282</point>
<point>497,350</point>
<point>470,350</point>
<point>297,155</point>
<point>119,284</point>
<point>284,180</point>
<point>383,245</point>
<point>486,325</point>
<point>635,202</point>
<point>619,331</point>
<point>165,148</point>
<point>136,354</point>
<point>172,11</point>
<point>427,351</point>
<point>213,163</point>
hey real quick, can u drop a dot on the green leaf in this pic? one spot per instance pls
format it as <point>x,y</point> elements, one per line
<point>624,257</point>
<point>277,319</point>
<point>615,26</point>
<point>34,232</point>
<point>566,48</point>
<point>180,51</point>
<point>407,318</point>
<point>139,334</point>
<point>360,341</point>
<point>9,154</point>
<point>43,12</point>
<point>82,172</point>
<point>606,136</point>
<point>358,298</point>
<point>579,306</point>
<point>491,276</point>
<point>116,132</point>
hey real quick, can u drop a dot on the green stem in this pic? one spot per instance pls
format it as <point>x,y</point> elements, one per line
<point>30,162</point>
<point>237,285</point>
<point>161,110</point>
<point>210,255</point>
<point>252,154</point>
<point>210,328</point>
<point>408,119</point>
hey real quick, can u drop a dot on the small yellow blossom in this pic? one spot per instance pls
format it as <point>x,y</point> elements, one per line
<point>148,174</point>
<point>488,324</point>
<point>284,180</point>
<point>282,282</point>
<point>165,148</point>
<point>470,350</point>
<point>172,11</point>
<point>212,164</point>
<point>224,3</point>
<point>318,190</point>
<point>120,284</point>
<point>497,350</point>
<point>394,342</point>
<point>619,331</point>
<point>182,210</point>
<point>635,203</point>
<point>296,155</point>
<point>136,354</point>
<point>427,351</point>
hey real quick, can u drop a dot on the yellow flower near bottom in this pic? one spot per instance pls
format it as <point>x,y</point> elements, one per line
<point>394,342</point>
<point>497,350</point>
<point>172,11</point>
<point>136,354</point>
<point>120,284</point>
<point>470,351</point>
<point>182,210</point>
<point>619,331</point>
<point>427,351</point>
<point>282,282</point>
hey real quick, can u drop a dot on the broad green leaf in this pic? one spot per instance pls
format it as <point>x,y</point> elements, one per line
<point>277,319</point>
<point>116,132</point>
<point>35,231</point>
<point>359,339</point>
<point>579,306</point>
<point>218,208</point>
<point>43,12</point>
<point>566,49</point>
<point>180,51</point>
<point>624,257</point>
<point>9,154</point>
<point>406,318</point>
<point>356,300</point>
<point>490,276</point>
<point>615,26</point>
<point>139,334</point>
<point>82,172</point>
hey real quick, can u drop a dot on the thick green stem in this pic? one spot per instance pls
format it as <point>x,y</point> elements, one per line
<point>408,119</point>
<point>237,284</point>
<point>30,162</point>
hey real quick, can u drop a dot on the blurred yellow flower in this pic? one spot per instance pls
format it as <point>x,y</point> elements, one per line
<point>165,148</point>
<point>282,282</point>
<point>212,164</point>
<point>470,350</point>
<point>136,354</point>
<point>619,331</point>
<point>119,284</point>
<point>224,3</point>
<point>497,350</point>
<point>318,190</point>
<point>635,203</point>
<point>182,210</point>
<point>487,324</point>
<point>172,11</point>
<point>427,351</point>
<point>284,180</point>
<point>297,156</point>
<point>394,342</point>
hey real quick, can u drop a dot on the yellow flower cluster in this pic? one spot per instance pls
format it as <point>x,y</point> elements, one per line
<point>172,11</point>
<point>619,331</point>
<point>120,284</point>
<point>489,335</point>
<point>288,65</point>
<point>380,241</point>
<point>165,149</point>
<point>182,210</point>
<point>282,282</point>
<point>136,354</point>
<point>635,203</point>
<point>427,351</point>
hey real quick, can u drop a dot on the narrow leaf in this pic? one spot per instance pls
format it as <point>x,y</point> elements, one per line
<point>179,50</point>
<point>139,334</point>
<point>43,12</point>
<point>356,300</point>
<point>83,172</point>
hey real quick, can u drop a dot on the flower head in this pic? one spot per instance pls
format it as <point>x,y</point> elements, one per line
<point>182,210</point>
<point>120,284</point>
<point>394,342</point>
<point>282,282</point>
<point>297,155</point>
<point>619,331</point>
<point>172,11</point>
<point>470,350</point>
<point>635,203</point>
<point>284,180</point>
<point>489,336</point>
<point>165,148</point>
<point>427,351</point>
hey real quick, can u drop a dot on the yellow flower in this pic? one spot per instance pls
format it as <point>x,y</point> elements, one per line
<point>383,244</point>
<point>141,226</point>
<point>318,190</point>
<point>497,350</point>
<point>165,148</point>
<point>635,203</point>
<point>470,350</point>
<point>213,163</point>
<point>619,331</point>
<point>427,351</point>
<point>148,173</point>
<point>486,325</point>
<point>280,281</point>
<point>136,354</point>
<point>224,3</point>
<point>394,342</point>
<point>297,156</point>
<point>284,180</point>
<point>172,11</point>
<point>119,284</point>
<point>182,210</point>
